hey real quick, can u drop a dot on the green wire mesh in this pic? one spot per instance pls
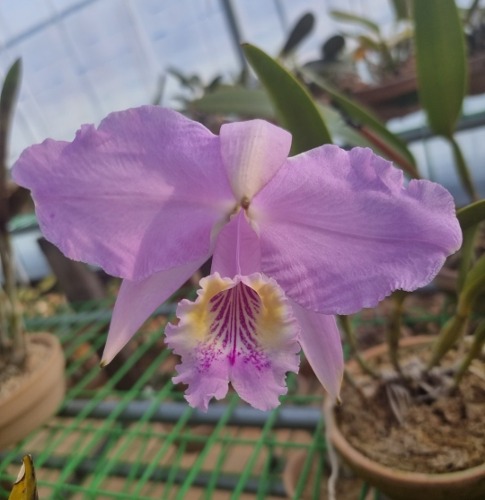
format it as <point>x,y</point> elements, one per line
<point>82,454</point>
<point>78,456</point>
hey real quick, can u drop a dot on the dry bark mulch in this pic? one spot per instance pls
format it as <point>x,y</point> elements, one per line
<point>436,435</point>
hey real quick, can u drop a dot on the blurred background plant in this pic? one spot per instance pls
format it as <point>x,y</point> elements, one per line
<point>12,340</point>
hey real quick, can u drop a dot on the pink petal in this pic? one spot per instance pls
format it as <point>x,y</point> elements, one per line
<point>240,331</point>
<point>339,231</point>
<point>252,152</point>
<point>138,195</point>
<point>237,248</point>
<point>320,341</point>
<point>137,300</point>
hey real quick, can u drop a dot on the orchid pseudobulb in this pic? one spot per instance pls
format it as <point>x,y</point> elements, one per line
<point>151,195</point>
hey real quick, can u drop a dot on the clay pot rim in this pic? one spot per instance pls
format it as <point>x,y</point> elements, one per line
<point>44,372</point>
<point>396,475</point>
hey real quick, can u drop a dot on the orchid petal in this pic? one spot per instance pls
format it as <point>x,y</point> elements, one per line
<point>252,152</point>
<point>139,194</point>
<point>237,249</point>
<point>321,343</point>
<point>137,300</point>
<point>339,231</point>
<point>240,331</point>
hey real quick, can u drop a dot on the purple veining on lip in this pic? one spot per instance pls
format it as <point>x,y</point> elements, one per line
<point>235,313</point>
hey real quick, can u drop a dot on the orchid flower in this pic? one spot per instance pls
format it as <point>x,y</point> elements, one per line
<point>150,196</point>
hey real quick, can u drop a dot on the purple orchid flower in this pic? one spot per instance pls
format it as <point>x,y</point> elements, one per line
<point>150,195</point>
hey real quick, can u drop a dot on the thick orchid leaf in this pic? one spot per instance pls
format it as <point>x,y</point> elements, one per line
<point>340,15</point>
<point>8,97</point>
<point>240,101</point>
<point>343,133</point>
<point>441,62</point>
<point>474,286</point>
<point>401,8</point>
<point>7,101</point>
<point>467,254</point>
<point>255,103</point>
<point>471,215</point>
<point>390,144</point>
<point>300,31</point>
<point>296,108</point>
<point>469,218</point>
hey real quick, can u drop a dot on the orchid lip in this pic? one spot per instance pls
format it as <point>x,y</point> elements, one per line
<point>235,319</point>
<point>239,330</point>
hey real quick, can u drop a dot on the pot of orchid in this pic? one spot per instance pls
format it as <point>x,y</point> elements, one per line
<point>31,366</point>
<point>390,62</point>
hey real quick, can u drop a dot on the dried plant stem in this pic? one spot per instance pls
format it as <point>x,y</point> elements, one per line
<point>350,339</point>
<point>474,352</point>
<point>10,307</point>
<point>5,341</point>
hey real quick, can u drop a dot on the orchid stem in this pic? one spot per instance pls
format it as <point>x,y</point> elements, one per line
<point>451,332</point>
<point>462,168</point>
<point>394,330</point>
<point>467,252</point>
<point>474,352</point>
<point>11,308</point>
<point>351,341</point>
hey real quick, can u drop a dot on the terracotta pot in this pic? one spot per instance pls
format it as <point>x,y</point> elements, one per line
<point>37,396</point>
<point>399,95</point>
<point>347,487</point>
<point>402,485</point>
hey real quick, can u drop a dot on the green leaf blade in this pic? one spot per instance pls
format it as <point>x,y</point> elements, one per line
<point>364,118</point>
<point>471,215</point>
<point>349,17</point>
<point>240,101</point>
<point>295,107</point>
<point>441,62</point>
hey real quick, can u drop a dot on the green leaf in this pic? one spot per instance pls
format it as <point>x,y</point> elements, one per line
<point>255,103</point>
<point>473,287</point>
<point>362,118</point>
<point>467,254</point>
<point>471,215</point>
<point>8,97</point>
<point>340,130</point>
<point>300,31</point>
<point>295,107</point>
<point>340,15</point>
<point>401,8</point>
<point>441,62</point>
<point>9,94</point>
<point>235,100</point>
<point>368,43</point>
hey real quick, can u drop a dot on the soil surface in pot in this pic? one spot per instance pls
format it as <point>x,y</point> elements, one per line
<point>446,434</point>
<point>12,377</point>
